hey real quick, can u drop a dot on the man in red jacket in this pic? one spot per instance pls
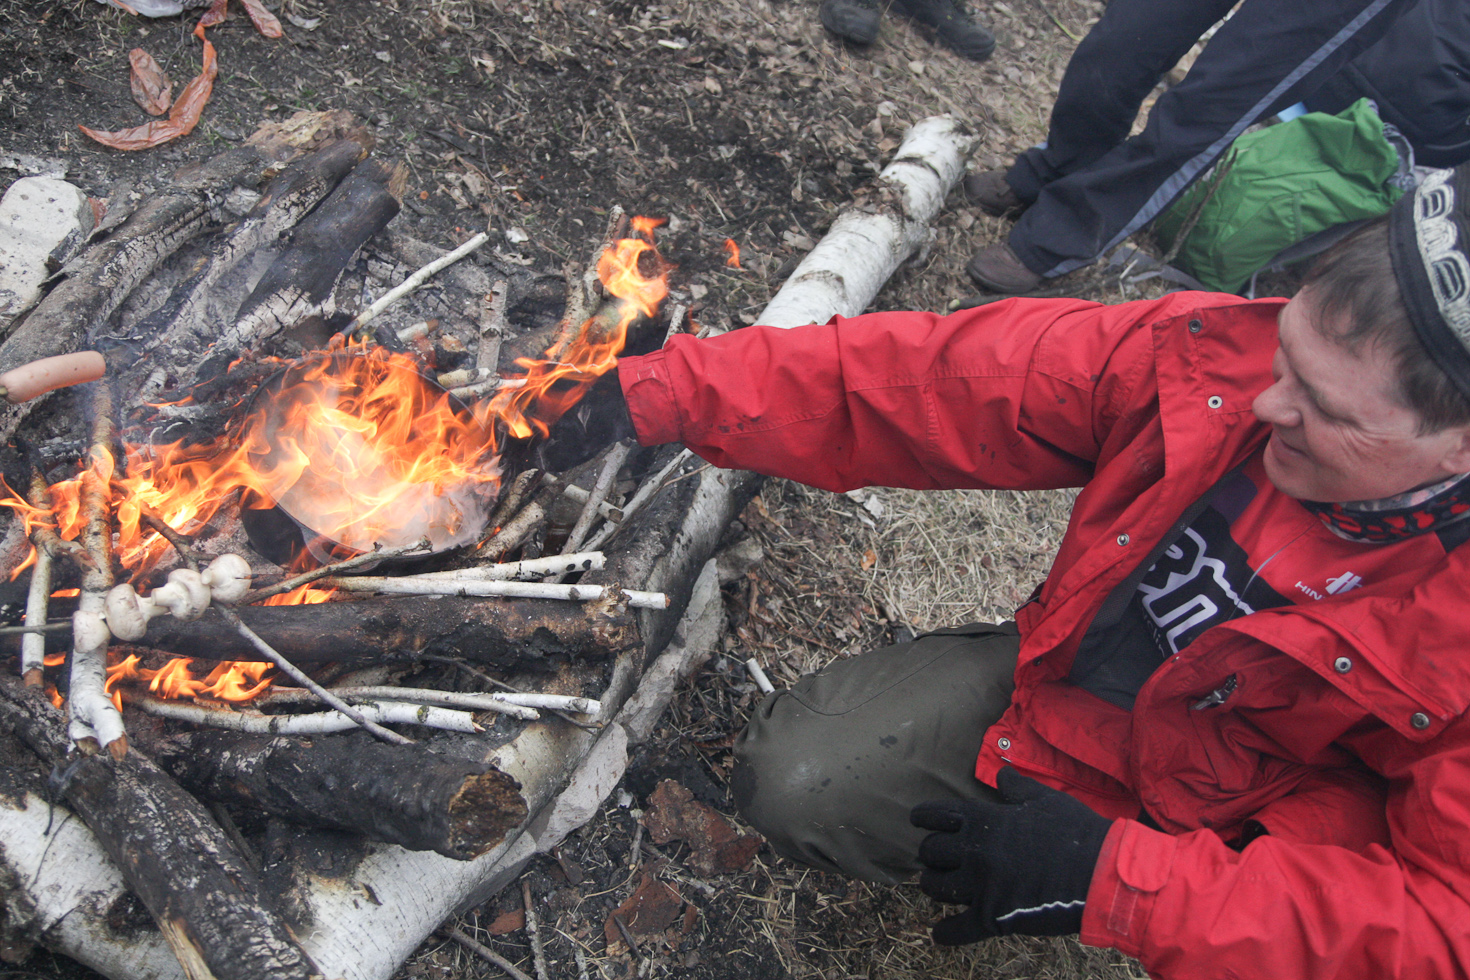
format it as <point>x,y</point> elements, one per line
<point>1228,734</point>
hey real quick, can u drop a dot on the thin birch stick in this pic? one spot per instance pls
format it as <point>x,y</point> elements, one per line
<point>582,561</point>
<point>336,568</point>
<point>296,674</point>
<point>414,585</point>
<point>38,601</point>
<point>676,321</point>
<point>93,715</point>
<point>415,281</point>
<point>492,327</point>
<point>485,953</point>
<point>753,667</point>
<point>644,494</point>
<point>486,387</point>
<point>496,682</point>
<point>317,723</point>
<point>533,929</point>
<point>613,462</point>
<point>55,626</point>
<point>409,695</point>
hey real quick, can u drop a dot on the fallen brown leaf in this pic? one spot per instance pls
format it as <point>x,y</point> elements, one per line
<point>182,118</point>
<point>153,90</point>
<point>674,814</point>
<point>265,22</point>
<point>507,922</point>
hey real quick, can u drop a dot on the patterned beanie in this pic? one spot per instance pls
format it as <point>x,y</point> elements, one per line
<point>1429,244</point>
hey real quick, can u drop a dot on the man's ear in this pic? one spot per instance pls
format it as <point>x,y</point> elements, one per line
<point>1457,456</point>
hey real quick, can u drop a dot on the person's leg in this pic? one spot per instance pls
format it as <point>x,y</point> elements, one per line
<point>829,770</point>
<point>1267,56</point>
<point>1112,71</point>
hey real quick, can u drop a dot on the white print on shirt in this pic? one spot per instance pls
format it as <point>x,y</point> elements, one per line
<point>1201,595</point>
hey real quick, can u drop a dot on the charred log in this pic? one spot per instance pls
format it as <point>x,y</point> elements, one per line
<point>403,795</point>
<point>159,836</point>
<point>300,283</point>
<point>187,322</point>
<point>509,633</point>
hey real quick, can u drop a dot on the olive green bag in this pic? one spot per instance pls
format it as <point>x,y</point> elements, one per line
<point>1276,187</point>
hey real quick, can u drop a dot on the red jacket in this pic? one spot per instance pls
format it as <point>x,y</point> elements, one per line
<point>1346,737</point>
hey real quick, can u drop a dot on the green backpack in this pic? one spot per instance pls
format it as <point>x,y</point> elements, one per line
<point>1276,187</point>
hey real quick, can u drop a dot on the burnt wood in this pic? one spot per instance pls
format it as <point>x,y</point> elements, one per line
<point>501,632</point>
<point>300,282</point>
<point>401,794</point>
<point>207,902</point>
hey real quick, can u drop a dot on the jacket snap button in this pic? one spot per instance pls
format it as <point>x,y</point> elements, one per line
<point>1005,743</point>
<point>1195,326</point>
<point>1215,401</point>
<point>1123,540</point>
<point>1342,665</point>
<point>1420,720</point>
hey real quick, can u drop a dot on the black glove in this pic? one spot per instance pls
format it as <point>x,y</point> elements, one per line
<point>599,419</point>
<point>1022,865</point>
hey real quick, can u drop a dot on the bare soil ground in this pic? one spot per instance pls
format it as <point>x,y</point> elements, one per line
<point>734,119</point>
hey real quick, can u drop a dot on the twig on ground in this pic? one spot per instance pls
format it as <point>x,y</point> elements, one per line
<point>485,953</point>
<point>676,321</point>
<point>533,929</point>
<point>753,667</point>
<point>336,568</point>
<point>414,281</point>
<point>296,674</point>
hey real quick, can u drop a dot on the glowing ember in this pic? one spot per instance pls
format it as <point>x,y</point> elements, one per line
<point>356,446</point>
<point>732,251</point>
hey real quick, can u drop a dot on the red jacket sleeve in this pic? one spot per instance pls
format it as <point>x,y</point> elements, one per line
<point>1018,394</point>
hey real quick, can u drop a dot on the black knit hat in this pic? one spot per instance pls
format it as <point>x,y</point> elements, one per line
<point>1429,244</point>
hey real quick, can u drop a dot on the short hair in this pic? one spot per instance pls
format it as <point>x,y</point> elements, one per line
<point>1353,282</point>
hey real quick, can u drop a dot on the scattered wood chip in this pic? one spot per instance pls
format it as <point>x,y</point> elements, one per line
<point>652,908</point>
<point>717,848</point>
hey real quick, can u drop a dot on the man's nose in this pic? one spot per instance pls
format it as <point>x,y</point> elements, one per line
<point>1274,407</point>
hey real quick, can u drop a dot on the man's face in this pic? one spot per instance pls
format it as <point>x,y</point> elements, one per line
<point>1340,431</point>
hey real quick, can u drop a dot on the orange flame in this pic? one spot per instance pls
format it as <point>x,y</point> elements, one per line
<point>356,445</point>
<point>732,251</point>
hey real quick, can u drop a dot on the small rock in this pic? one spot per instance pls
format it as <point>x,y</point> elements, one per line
<point>37,215</point>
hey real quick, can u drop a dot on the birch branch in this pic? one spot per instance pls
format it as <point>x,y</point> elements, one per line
<point>38,601</point>
<point>409,695</point>
<point>95,720</point>
<point>492,327</point>
<point>645,493</point>
<point>295,673</point>
<point>415,281</point>
<point>616,456</point>
<point>336,568</point>
<point>583,561</point>
<point>417,585</point>
<point>318,723</point>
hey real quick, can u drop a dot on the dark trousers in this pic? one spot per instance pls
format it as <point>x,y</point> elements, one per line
<point>1092,186</point>
<point>829,770</point>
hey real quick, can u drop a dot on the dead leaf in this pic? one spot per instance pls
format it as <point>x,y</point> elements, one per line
<point>265,22</point>
<point>674,814</point>
<point>508,922</point>
<point>870,558</point>
<point>152,89</point>
<point>182,118</point>
<point>652,908</point>
<point>214,15</point>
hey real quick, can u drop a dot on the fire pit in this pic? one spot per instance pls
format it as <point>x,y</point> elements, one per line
<point>216,441</point>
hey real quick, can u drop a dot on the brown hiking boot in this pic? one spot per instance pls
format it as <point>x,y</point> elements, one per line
<point>990,192</point>
<point>851,20</point>
<point>998,269</point>
<point>952,24</point>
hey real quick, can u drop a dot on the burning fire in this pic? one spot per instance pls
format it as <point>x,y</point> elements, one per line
<point>355,444</point>
<point>732,250</point>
